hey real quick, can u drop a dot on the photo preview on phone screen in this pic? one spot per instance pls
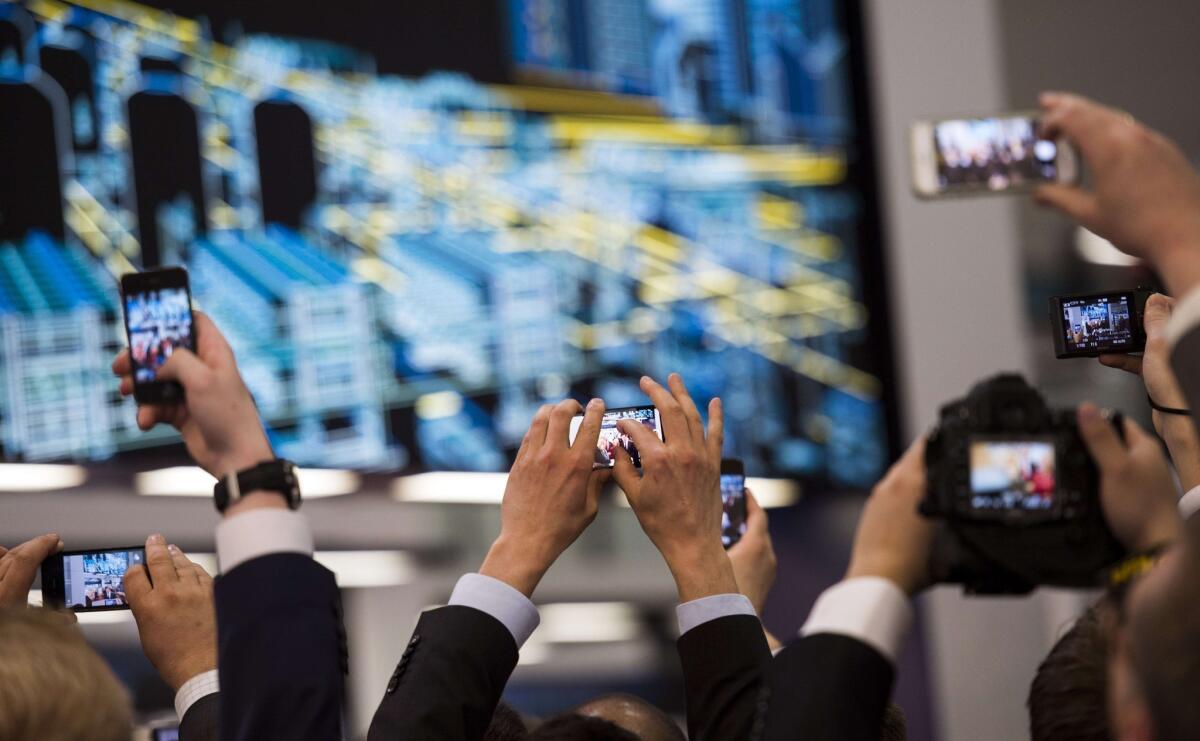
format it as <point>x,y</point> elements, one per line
<point>92,580</point>
<point>733,508</point>
<point>992,153</point>
<point>611,437</point>
<point>159,321</point>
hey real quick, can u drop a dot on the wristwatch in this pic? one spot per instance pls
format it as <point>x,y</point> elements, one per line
<point>277,476</point>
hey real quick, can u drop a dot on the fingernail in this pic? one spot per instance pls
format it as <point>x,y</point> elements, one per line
<point>173,548</point>
<point>157,539</point>
<point>594,403</point>
<point>1089,413</point>
<point>53,535</point>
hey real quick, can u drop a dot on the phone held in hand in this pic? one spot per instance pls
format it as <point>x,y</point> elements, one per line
<point>1087,325</point>
<point>91,580</point>
<point>158,320</point>
<point>611,437</point>
<point>1002,153</point>
<point>733,501</point>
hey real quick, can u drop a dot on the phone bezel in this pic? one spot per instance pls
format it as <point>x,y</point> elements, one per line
<point>156,392</point>
<point>54,582</point>
<point>924,168</point>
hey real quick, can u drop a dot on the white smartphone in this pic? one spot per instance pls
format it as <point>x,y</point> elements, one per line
<point>611,437</point>
<point>987,154</point>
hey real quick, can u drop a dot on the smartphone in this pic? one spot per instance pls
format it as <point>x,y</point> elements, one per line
<point>733,501</point>
<point>611,437</point>
<point>165,733</point>
<point>158,319</point>
<point>992,154</point>
<point>1086,325</point>
<point>89,581</point>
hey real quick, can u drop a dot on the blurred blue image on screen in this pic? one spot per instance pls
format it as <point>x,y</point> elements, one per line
<point>407,268</point>
<point>159,322</point>
<point>165,734</point>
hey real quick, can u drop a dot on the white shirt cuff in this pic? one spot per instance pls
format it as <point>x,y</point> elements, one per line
<point>501,601</point>
<point>867,608</point>
<point>706,609</point>
<point>194,689</point>
<point>1185,316</point>
<point>261,532</point>
<point>1190,503</point>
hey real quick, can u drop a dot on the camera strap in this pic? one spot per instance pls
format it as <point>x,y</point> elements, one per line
<point>1167,410</point>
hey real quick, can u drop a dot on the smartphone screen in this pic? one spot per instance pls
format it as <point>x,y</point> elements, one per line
<point>611,437</point>
<point>89,581</point>
<point>733,502</point>
<point>158,319</point>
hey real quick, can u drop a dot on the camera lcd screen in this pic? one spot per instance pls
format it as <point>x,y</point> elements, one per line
<point>611,437</point>
<point>733,508</point>
<point>160,320</point>
<point>992,153</point>
<point>97,580</point>
<point>1013,475</point>
<point>166,734</point>
<point>1098,323</point>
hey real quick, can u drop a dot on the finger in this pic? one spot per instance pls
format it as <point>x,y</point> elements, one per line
<point>1081,120</point>
<point>183,565</point>
<point>756,516</point>
<point>121,365</point>
<point>596,483</point>
<point>202,575</point>
<point>690,412</point>
<point>626,475</point>
<point>149,415</point>
<point>1128,363</point>
<point>1135,436</point>
<point>1077,203</point>
<point>184,367</point>
<point>640,435</point>
<point>589,429</point>
<point>675,426</point>
<point>137,584</point>
<point>158,561</point>
<point>716,427</point>
<point>559,427</point>
<point>3,550</point>
<point>1100,437</point>
<point>126,385</point>
<point>38,549</point>
<point>1156,315</point>
<point>211,345</point>
<point>535,438</point>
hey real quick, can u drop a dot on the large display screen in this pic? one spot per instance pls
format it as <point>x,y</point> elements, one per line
<point>407,267</point>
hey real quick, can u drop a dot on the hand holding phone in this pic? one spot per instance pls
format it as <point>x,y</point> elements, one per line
<point>19,566</point>
<point>89,580</point>
<point>158,321</point>
<point>987,154</point>
<point>612,438</point>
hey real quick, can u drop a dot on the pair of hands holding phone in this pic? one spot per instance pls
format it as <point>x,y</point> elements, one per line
<point>553,491</point>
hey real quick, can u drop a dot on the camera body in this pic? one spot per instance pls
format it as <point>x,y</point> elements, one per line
<point>1017,494</point>
<point>1087,325</point>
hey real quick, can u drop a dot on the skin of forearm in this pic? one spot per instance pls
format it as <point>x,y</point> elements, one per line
<point>1179,432</point>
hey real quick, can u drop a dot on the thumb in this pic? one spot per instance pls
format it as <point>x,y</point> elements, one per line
<point>1072,200</point>
<point>183,367</point>
<point>626,475</point>
<point>756,516</point>
<point>1100,437</point>
<point>1157,314</point>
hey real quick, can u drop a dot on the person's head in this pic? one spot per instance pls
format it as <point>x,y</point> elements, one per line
<point>53,686</point>
<point>506,725</point>
<point>1155,666</point>
<point>571,726</point>
<point>895,726</point>
<point>1067,698</point>
<point>633,714</point>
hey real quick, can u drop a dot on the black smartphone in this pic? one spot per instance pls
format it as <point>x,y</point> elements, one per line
<point>733,501</point>
<point>89,581</point>
<point>158,319</point>
<point>1087,325</point>
<point>611,437</point>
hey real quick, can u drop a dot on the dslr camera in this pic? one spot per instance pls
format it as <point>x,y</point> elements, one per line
<point>1016,492</point>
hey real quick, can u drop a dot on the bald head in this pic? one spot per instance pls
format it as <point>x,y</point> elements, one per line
<point>633,714</point>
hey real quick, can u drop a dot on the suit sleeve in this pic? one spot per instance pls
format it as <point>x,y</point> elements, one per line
<point>200,722</point>
<point>449,679</point>
<point>281,650</point>
<point>723,666</point>
<point>827,687</point>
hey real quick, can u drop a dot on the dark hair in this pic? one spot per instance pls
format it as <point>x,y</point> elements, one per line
<point>506,725</point>
<point>1164,648</point>
<point>572,726</point>
<point>1068,698</point>
<point>895,726</point>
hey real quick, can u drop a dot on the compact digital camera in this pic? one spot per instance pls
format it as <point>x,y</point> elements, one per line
<point>1017,494</point>
<point>1087,325</point>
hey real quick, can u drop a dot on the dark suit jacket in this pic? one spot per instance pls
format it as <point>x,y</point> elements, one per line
<point>449,679</point>
<point>281,650</point>
<point>200,721</point>
<point>724,661</point>
<point>826,687</point>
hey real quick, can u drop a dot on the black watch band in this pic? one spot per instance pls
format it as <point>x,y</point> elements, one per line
<point>278,476</point>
